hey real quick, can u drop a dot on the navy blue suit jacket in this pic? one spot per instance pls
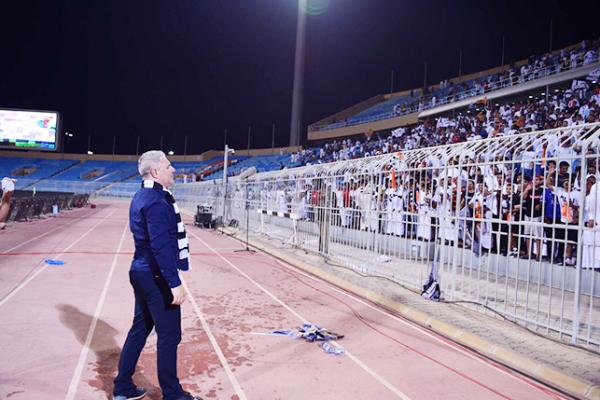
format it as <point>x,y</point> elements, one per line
<point>153,222</point>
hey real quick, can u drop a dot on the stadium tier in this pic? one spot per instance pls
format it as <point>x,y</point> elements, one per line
<point>568,103</point>
<point>33,168</point>
<point>204,169</point>
<point>188,171</point>
<point>99,171</point>
<point>418,100</point>
<point>262,163</point>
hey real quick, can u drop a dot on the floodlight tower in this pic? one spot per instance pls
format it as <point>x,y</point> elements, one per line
<point>297,93</point>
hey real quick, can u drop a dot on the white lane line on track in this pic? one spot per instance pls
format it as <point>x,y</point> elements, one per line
<point>88,340</point>
<point>39,271</point>
<point>377,377</point>
<point>40,236</point>
<point>234,382</point>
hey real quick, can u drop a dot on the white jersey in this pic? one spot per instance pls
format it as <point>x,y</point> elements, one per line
<point>591,235</point>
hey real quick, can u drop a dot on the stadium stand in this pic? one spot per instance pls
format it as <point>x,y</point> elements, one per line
<point>199,170</point>
<point>549,64</point>
<point>99,171</point>
<point>32,169</point>
<point>203,170</point>
<point>262,163</point>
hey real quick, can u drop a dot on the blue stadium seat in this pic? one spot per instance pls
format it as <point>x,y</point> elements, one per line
<point>262,163</point>
<point>99,171</point>
<point>29,169</point>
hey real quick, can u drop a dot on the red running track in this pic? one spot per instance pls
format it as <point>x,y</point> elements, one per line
<point>62,326</point>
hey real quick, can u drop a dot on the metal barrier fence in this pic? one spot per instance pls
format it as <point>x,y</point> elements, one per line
<point>512,222</point>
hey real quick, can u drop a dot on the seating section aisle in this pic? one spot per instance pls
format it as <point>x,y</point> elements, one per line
<point>577,103</point>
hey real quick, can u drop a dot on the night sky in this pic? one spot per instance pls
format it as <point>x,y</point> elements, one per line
<point>177,68</point>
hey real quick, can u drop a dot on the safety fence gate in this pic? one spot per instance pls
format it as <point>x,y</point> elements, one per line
<point>510,221</point>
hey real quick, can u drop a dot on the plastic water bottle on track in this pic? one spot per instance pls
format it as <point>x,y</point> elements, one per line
<point>332,349</point>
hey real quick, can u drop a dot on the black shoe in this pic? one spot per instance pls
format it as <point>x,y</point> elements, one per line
<point>137,394</point>
<point>189,396</point>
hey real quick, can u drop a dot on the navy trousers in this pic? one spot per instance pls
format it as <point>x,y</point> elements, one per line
<point>153,308</point>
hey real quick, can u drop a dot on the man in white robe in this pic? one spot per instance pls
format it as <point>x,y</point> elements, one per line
<point>591,233</point>
<point>397,225</point>
<point>363,200</point>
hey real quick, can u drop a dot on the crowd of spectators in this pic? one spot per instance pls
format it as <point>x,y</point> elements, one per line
<point>576,105</point>
<point>526,201</point>
<point>536,67</point>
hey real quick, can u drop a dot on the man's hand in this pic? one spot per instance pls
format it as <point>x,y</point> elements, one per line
<point>178,295</point>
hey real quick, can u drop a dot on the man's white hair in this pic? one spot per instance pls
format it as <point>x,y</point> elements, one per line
<point>148,160</point>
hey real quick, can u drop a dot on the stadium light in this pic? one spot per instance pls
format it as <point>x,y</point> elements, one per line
<point>170,152</point>
<point>90,152</point>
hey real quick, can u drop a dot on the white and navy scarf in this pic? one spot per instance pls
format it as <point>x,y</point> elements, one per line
<point>182,241</point>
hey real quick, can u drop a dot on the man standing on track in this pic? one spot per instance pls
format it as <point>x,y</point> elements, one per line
<point>161,250</point>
